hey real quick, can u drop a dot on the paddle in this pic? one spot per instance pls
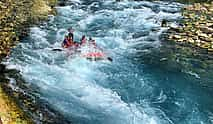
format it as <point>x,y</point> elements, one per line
<point>57,49</point>
<point>110,59</point>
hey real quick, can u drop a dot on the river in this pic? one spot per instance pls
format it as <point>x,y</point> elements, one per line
<point>128,90</point>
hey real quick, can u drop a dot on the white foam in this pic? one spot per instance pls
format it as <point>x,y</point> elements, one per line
<point>70,83</point>
<point>91,95</point>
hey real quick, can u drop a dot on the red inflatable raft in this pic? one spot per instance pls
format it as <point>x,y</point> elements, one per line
<point>95,55</point>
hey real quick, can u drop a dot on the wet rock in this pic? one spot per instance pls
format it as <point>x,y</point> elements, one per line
<point>2,68</point>
<point>206,39</point>
<point>202,35</point>
<point>197,26</point>
<point>164,23</point>
<point>190,40</point>
<point>62,3</point>
<point>27,98</point>
<point>206,30</point>
<point>17,16</point>
<point>176,36</point>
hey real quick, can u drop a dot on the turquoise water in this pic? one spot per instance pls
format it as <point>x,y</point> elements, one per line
<point>133,89</point>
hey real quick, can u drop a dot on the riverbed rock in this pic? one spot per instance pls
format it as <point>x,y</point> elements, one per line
<point>191,40</point>
<point>197,26</point>
<point>206,29</point>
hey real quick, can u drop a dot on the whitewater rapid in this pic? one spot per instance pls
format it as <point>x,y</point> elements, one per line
<point>98,92</point>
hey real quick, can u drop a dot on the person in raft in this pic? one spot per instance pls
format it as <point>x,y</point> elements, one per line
<point>69,39</point>
<point>83,40</point>
<point>70,34</point>
<point>67,42</point>
<point>92,42</point>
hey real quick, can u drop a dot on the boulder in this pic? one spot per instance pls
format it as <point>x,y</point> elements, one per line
<point>164,23</point>
<point>176,36</point>
<point>202,35</point>
<point>206,39</point>
<point>2,68</point>
<point>206,29</point>
<point>190,40</point>
<point>182,40</point>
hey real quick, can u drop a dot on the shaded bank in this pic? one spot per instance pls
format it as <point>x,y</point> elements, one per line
<point>30,106</point>
<point>9,111</point>
<point>15,19</point>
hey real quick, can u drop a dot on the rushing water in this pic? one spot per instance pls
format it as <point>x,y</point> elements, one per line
<point>125,91</point>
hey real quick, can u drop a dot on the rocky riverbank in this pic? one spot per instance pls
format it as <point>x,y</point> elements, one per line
<point>196,28</point>
<point>10,113</point>
<point>26,97</point>
<point>16,16</point>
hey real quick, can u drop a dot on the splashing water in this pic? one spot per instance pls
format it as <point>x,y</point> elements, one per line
<point>101,92</point>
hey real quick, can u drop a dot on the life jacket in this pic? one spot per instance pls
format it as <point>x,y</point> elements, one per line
<point>70,42</point>
<point>64,44</point>
<point>67,42</point>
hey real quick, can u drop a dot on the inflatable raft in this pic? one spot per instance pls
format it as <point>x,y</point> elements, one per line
<point>88,52</point>
<point>95,55</point>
